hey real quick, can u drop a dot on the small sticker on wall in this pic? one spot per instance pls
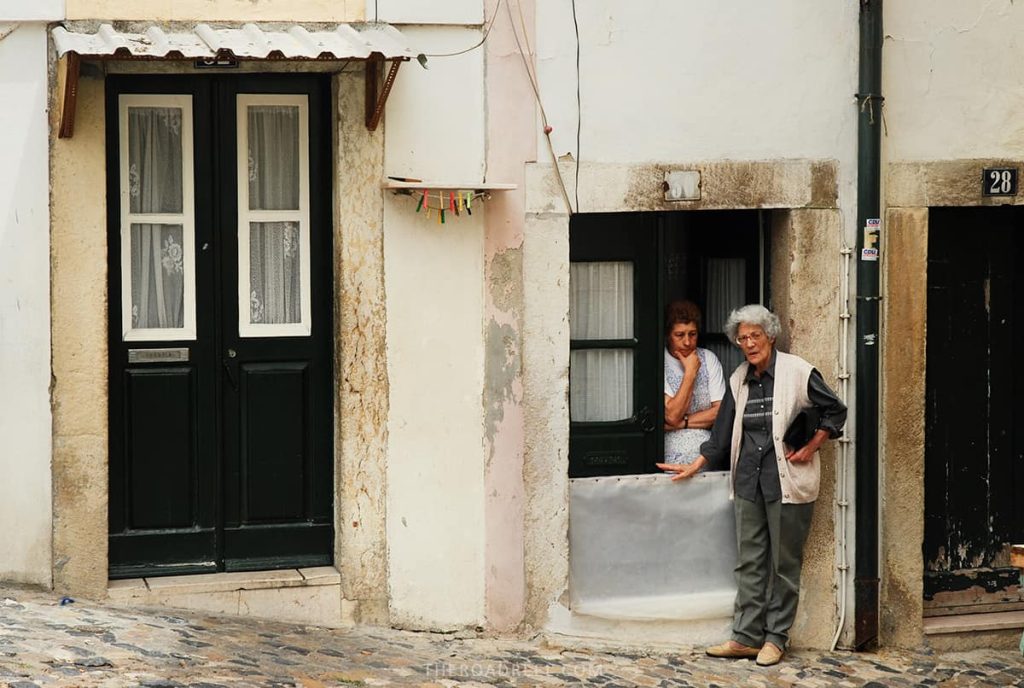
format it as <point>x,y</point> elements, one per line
<point>871,231</point>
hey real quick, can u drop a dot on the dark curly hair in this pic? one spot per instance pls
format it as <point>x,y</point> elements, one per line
<point>681,311</point>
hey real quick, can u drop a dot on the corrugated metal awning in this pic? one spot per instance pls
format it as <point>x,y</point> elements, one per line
<point>373,42</point>
<point>343,42</point>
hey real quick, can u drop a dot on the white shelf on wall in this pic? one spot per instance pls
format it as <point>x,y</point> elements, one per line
<point>412,186</point>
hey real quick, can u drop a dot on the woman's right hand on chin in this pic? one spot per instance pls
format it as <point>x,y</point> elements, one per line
<point>691,363</point>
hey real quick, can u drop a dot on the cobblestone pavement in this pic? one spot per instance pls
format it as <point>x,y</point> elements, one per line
<point>43,643</point>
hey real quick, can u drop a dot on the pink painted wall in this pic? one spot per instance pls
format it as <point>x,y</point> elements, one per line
<point>511,141</point>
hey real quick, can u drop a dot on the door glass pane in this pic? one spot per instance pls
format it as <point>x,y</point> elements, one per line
<point>154,159</point>
<point>600,385</point>
<point>157,276</point>
<point>726,290</point>
<point>273,157</point>
<point>275,280</point>
<point>601,300</point>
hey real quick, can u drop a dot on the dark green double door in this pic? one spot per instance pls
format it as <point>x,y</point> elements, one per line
<point>220,324</point>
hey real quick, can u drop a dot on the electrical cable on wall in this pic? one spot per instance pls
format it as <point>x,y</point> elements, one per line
<point>536,92</point>
<point>422,57</point>
<point>579,105</point>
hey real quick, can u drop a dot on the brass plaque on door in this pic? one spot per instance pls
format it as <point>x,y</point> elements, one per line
<point>158,355</point>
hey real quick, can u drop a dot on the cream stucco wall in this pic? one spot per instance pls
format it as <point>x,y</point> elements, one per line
<point>361,405</point>
<point>25,420</point>
<point>78,264</point>
<point>433,279</point>
<point>219,10</point>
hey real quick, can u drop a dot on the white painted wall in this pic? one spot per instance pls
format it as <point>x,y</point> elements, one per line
<point>434,284</point>
<point>952,80</point>
<point>25,430</point>
<point>702,80</point>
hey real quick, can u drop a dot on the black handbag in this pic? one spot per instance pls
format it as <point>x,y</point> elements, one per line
<point>802,429</point>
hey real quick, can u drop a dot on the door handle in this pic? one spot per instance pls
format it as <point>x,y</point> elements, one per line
<point>646,419</point>
<point>231,368</point>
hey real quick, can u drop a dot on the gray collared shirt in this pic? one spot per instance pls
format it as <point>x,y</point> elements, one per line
<point>757,467</point>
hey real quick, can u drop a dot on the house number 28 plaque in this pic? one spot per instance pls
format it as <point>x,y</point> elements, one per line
<point>999,181</point>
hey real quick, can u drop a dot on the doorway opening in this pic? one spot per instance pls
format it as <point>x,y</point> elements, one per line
<point>220,323</point>
<point>624,269</point>
<point>974,426</point>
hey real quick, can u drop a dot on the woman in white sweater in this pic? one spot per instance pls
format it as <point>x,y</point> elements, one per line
<point>694,385</point>
<point>773,483</point>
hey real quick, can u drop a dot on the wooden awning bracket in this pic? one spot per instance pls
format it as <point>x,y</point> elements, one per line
<point>68,68</point>
<point>375,101</point>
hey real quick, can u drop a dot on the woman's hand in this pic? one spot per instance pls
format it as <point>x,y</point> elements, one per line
<point>690,362</point>
<point>683,470</point>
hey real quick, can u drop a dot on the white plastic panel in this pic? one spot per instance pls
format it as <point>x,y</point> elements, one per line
<point>643,547</point>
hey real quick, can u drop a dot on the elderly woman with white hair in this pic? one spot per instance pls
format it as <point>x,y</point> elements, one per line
<point>771,446</point>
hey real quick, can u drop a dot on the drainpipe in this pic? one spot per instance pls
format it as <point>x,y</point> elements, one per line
<point>865,584</point>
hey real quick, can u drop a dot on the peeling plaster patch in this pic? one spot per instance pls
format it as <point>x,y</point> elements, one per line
<point>505,279</point>
<point>503,361</point>
<point>503,368</point>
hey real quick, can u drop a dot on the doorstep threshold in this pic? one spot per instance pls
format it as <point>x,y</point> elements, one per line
<point>226,582</point>
<point>966,623</point>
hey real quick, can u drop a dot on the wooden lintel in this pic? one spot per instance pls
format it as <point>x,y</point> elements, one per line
<point>67,75</point>
<point>374,101</point>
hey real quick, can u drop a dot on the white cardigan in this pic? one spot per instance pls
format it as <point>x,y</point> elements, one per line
<point>799,480</point>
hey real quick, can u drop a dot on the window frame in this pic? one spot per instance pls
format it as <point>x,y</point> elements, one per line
<point>187,219</point>
<point>247,328</point>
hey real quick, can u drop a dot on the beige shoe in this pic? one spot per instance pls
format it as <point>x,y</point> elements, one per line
<point>770,654</point>
<point>732,650</point>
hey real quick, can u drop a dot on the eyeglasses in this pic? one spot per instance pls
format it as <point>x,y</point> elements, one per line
<point>753,337</point>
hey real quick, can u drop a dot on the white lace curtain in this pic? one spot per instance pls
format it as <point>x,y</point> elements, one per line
<point>155,186</point>
<point>601,308</point>
<point>726,291</point>
<point>274,257</point>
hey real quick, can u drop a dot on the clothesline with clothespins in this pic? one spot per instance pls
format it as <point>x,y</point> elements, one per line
<point>442,203</point>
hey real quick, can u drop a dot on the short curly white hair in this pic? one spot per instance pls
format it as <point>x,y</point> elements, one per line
<point>753,314</point>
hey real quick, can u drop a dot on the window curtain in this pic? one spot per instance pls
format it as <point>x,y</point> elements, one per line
<point>601,308</point>
<point>274,258</point>
<point>155,186</point>
<point>726,291</point>
<point>274,274</point>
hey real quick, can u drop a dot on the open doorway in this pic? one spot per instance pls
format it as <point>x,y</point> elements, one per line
<point>624,269</point>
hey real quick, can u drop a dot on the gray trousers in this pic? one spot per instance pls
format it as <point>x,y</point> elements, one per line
<point>770,539</point>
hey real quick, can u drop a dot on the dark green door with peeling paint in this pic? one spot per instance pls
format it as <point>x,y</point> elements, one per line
<point>220,320</point>
<point>974,418</point>
<point>624,269</point>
